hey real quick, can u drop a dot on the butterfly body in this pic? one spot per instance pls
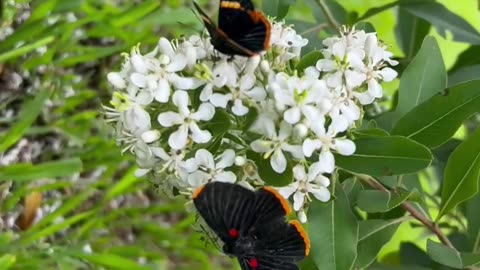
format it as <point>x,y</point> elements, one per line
<point>241,30</point>
<point>252,226</point>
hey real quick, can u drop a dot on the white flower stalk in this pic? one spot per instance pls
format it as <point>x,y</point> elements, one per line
<point>213,111</point>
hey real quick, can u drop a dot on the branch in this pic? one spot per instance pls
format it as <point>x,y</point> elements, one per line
<point>333,23</point>
<point>410,209</point>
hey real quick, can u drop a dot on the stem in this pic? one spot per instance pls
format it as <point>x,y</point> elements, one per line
<point>333,23</point>
<point>411,210</point>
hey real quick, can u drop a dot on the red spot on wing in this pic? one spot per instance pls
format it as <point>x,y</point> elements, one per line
<point>233,233</point>
<point>253,263</point>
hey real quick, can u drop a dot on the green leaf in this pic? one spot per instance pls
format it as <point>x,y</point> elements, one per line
<point>21,51</point>
<point>111,261</point>
<point>125,185</point>
<point>277,8</point>
<point>444,255</point>
<point>370,132</point>
<point>267,174</point>
<point>373,235</point>
<point>460,181</point>
<point>468,57</point>
<point>220,123</point>
<point>308,60</point>
<point>30,112</point>
<point>132,15</point>
<point>391,155</point>
<point>473,219</point>
<point>443,20</point>
<point>374,201</point>
<point>7,261</point>
<point>376,10</point>
<point>435,121</point>
<point>333,232</point>
<point>424,77</point>
<point>51,169</point>
<point>464,74</point>
<point>411,254</point>
<point>410,31</point>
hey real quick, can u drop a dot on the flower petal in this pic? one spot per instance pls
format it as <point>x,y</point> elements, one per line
<point>198,178</point>
<point>238,108</point>
<point>310,145</point>
<point>178,139</point>
<point>292,115</point>
<point>226,176</point>
<point>344,147</point>
<point>288,190</point>
<point>299,173</point>
<point>227,158</point>
<point>322,194</point>
<point>162,93</point>
<point>220,100</point>
<point>198,135</point>
<point>298,200</point>
<point>327,161</point>
<point>278,161</point>
<point>204,158</point>
<point>116,80</point>
<point>205,112</point>
<point>168,119</point>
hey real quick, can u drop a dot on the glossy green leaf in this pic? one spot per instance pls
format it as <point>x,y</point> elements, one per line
<point>444,255</point>
<point>333,232</point>
<point>444,20</point>
<point>411,254</point>
<point>410,32</point>
<point>30,112</point>
<point>267,174</point>
<point>310,59</point>
<point>392,155</point>
<point>29,172</point>
<point>220,123</point>
<point>464,74</point>
<point>370,132</point>
<point>277,8</point>
<point>373,235</point>
<point>460,180</point>
<point>424,77</point>
<point>374,201</point>
<point>473,219</point>
<point>435,121</point>
<point>468,57</point>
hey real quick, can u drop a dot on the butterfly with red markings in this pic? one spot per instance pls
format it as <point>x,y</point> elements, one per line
<point>241,30</point>
<point>252,225</point>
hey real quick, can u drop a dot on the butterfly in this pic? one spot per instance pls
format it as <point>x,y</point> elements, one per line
<point>241,30</point>
<point>252,225</point>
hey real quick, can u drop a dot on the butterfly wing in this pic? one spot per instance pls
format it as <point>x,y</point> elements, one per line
<point>269,205</point>
<point>224,207</point>
<point>245,26</point>
<point>263,263</point>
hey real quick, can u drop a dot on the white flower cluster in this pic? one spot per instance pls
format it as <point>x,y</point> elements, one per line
<point>166,104</point>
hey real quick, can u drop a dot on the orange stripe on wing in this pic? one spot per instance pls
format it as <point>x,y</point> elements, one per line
<point>279,197</point>
<point>229,4</point>
<point>259,17</point>
<point>197,192</point>
<point>303,234</point>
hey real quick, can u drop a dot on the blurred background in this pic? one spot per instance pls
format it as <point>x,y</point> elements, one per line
<point>68,197</point>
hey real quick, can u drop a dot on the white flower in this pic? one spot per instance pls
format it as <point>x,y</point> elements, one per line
<point>326,141</point>
<point>187,121</point>
<point>210,169</point>
<point>298,96</point>
<point>274,147</point>
<point>304,183</point>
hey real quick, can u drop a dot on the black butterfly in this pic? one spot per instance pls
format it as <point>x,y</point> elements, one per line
<point>241,30</point>
<point>252,226</point>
